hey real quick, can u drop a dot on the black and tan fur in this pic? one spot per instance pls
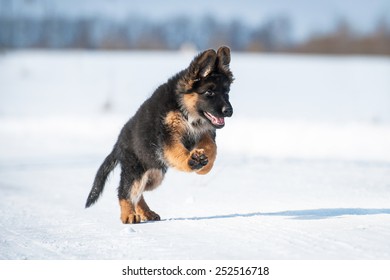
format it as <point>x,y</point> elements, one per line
<point>175,127</point>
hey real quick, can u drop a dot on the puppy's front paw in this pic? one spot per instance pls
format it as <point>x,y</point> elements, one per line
<point>197,159</point>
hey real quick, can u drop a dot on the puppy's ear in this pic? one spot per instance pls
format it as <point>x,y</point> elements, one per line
<point>223,62</point>
<point>223,55</point>
<point>203,64</point>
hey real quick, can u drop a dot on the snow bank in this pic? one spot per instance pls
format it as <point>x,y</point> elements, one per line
<point>305,139</point>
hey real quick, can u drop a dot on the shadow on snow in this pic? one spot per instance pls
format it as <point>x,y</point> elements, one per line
<point>311,214</point>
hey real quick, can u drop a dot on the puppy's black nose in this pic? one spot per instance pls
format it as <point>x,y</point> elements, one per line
<point>227,111</point>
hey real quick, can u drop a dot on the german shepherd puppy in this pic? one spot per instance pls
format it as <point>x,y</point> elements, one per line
<point>175,127</point>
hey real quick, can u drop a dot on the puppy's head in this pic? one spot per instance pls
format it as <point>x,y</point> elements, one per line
<point>204,88</point>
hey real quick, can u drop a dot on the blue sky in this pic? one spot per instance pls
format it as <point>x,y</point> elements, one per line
<point>307,16</point>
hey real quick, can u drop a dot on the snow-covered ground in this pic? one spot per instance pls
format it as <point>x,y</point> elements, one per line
<point>303,170</point>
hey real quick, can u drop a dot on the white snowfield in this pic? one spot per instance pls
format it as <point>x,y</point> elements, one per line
<point>303,166</point>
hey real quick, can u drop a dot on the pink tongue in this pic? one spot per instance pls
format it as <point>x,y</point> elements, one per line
<point>219,121</point>
<point>216,120</point>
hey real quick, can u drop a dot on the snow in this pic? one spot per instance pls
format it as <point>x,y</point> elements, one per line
<point>302,170</point>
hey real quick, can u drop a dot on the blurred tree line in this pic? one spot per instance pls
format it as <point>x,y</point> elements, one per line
<point>274,35</point>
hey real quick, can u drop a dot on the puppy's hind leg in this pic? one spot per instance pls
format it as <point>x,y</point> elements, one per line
<point>150,180</point>
<point>133,206</point>
<point>143,210</point>
<point>128,214</point>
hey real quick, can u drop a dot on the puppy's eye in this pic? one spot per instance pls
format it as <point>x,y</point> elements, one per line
<point>209,93</point>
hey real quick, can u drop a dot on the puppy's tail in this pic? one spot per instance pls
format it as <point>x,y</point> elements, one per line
<point>101,177</point>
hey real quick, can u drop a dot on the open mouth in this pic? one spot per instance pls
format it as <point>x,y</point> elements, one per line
<point>216,121</point>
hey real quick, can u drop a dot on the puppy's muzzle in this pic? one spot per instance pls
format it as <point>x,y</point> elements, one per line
<point>227,111</point>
